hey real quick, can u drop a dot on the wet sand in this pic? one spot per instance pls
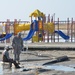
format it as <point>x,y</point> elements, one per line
<point>34,59</point>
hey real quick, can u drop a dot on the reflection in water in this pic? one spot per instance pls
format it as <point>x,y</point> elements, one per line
<point>48,67</point>
<point>4,69</point>
<point>59,67</point>
<point>1,69</point>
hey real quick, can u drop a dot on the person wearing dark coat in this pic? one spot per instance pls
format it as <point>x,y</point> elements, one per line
<point>6,58</point>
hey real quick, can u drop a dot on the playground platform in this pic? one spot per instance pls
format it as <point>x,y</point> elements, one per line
<point>46,46</point>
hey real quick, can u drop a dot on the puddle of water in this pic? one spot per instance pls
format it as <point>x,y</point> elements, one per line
<point>59,67</point>
<point>1,69</point>
<point>32,66</point>
<point>48,67</point>
<point>55,67</point>
<point>6,69</point>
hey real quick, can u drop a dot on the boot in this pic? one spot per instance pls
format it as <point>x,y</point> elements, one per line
<point>17,66</point>
<point>18,62</point>
<point>10,65</point>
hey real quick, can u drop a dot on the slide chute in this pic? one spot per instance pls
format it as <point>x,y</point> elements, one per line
<point>66,37</point>
<point>30,34</point>
<point>33,28</point>
<point>6,37</point>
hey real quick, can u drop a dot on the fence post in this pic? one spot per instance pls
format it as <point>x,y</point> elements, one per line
<point>7,29</point>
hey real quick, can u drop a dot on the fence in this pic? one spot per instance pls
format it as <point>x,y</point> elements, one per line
<point>67,27</point>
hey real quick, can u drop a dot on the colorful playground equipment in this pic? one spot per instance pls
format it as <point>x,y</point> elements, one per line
<point>37,28</point>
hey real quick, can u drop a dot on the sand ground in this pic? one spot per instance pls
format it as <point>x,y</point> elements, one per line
<point>34,59</point>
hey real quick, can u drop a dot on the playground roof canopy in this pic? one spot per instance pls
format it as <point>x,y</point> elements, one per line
<point>37,13</point>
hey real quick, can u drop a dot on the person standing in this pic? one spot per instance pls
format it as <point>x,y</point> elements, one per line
<point>6,58</point>
<point>17,44</point>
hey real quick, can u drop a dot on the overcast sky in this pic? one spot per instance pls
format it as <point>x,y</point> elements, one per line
<point>20,9</point>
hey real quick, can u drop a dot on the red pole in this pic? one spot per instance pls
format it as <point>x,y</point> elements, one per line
<point>68,26</point>
<point>71,29</point>
<point>7,29</point>
<point>54,33</point>
<point>53,20</point>
<point>44,22</point>
<point>49,18</point>
<point>31,19</point>
<point>49,22</point>
<point>48,31</point>
<point>44,19</point>
<point>74,31</point>
<point>15,22</point>
<point>58,29</point>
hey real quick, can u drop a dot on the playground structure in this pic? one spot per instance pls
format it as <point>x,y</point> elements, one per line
<point>39,26</point>
<point>42,29</point>
<point>37,29</point>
